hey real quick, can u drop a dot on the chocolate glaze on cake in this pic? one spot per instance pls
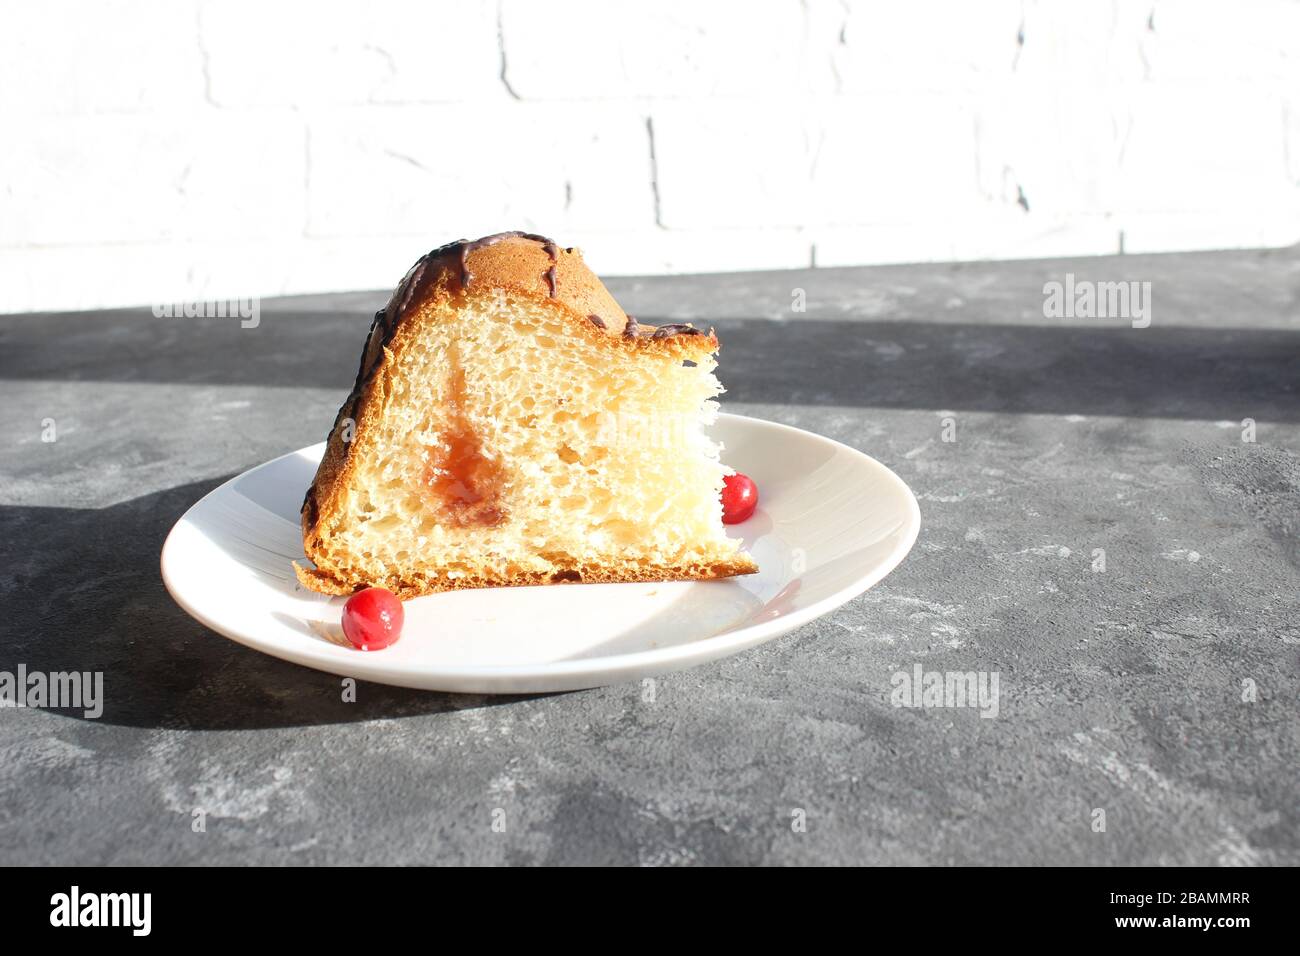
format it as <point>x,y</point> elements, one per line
<point>412,284</point>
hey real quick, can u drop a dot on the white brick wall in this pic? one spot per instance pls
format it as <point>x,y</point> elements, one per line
<point>163,149</point>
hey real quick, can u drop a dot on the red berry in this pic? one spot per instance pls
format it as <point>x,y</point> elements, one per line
<point>739,498</point>
<point>372,619</point>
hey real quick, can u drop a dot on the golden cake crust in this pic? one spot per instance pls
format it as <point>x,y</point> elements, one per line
<point>516,263</point>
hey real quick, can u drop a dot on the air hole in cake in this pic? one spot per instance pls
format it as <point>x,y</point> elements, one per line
<point>386,523</point>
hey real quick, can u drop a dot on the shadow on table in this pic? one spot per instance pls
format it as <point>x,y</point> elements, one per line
<point>1189,373</point>
<point>83,592</point>
<point>1163,371</point>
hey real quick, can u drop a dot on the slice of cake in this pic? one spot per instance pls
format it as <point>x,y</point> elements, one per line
<point>511,425</point>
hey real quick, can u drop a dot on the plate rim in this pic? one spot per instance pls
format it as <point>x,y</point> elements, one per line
<point>662,660</point>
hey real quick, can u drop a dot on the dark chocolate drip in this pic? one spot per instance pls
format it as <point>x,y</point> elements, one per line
<point>367,368</point>
<point>408,289</point>
<point>597,321</point>
<point>630,331</point>
<point>675,328</point>
<point>385,326</point>
<point>412,283</point>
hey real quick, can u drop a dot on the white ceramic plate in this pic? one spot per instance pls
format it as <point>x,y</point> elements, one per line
<point>831,523</point>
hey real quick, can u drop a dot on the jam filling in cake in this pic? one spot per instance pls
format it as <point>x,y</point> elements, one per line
<point>462,481</point>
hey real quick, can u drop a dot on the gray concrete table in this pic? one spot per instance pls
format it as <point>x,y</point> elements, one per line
<point>1126,689</point>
